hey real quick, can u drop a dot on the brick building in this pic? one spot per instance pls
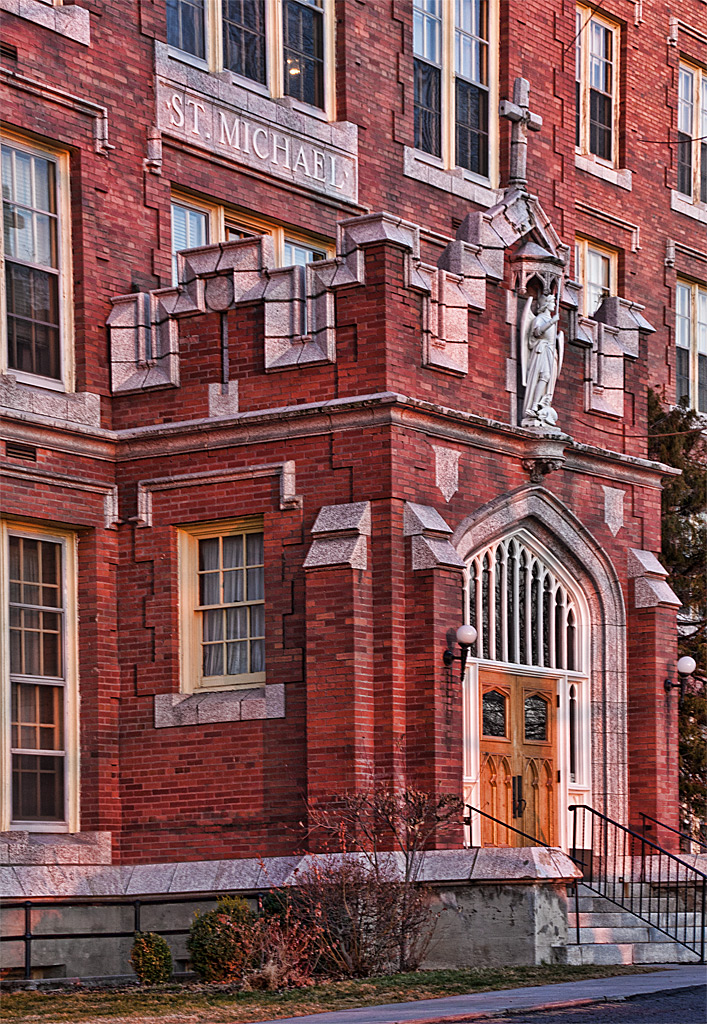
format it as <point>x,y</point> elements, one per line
<point>277,419</point>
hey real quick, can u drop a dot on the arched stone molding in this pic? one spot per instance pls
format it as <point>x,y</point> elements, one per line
<point>546,519</point>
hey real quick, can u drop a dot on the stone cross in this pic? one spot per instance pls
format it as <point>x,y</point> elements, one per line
<point>522,120</point>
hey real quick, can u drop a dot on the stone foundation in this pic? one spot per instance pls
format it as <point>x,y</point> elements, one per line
<point>495,907</point>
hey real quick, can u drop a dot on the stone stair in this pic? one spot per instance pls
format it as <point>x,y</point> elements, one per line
<point>610,935</point>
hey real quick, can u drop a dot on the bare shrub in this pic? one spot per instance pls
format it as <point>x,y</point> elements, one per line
<point>385,831</point>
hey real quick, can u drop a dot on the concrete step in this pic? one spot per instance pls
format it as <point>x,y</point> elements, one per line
<point>623,919</point>
<point>614,936</point>
<point>626,953</point>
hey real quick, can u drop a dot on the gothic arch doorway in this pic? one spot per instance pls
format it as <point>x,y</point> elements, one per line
<point>549,612</point>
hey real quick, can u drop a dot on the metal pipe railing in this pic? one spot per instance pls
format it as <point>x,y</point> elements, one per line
<point>640,876</point>
<point>683,835</point>
<point>138,904</point>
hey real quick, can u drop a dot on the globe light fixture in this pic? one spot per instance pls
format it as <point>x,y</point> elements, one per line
<point>685,667</point>
<point>466,637</point>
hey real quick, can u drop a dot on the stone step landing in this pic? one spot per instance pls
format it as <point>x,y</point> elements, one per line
<point>610,934</point>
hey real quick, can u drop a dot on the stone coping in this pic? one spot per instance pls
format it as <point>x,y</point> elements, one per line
<point>476,866</point>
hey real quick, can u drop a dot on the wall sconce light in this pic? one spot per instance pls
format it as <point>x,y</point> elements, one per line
<point>685,666</point>
<point>466,636</point>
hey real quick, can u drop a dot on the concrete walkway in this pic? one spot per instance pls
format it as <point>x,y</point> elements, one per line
<point>484,1004</point>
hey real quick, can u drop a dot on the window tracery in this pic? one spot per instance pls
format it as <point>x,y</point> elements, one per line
<point>522,611</point>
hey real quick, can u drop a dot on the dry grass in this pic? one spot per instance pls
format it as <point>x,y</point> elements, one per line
<point>212,1004</point>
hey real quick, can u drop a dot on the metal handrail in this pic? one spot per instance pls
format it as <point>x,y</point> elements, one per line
<point>477,810</point>
<point>614,850</point>
<point>683,835</point>
<point>136,902</point>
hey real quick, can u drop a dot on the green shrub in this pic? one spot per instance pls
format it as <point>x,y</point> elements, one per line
<point>222,942</point>
<point>151,958</point>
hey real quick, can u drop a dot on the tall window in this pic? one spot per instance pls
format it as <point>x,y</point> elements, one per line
<point>596,268</point>
<point>523,613</point>
<point>280,44</point>
<point>223,605</point>
<point>198,223</point>
<point>32,255</point>
<point>38,670</point>
<point>691,344</point>
<point>692,133</point>
<point>597,85</point>
<point>453,82</point>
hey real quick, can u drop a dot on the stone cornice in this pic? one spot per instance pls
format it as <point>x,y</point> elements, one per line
<point>316,418</point>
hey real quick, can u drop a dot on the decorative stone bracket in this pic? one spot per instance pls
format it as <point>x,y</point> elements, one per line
<point>340,533</point>
<point>651,588</point>
<point>609,337</point>
<point>429,535</point>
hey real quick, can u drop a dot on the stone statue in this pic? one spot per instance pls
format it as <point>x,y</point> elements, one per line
<point>542,349</point>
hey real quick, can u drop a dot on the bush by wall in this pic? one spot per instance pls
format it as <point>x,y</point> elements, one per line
<point>151,958</point>
<point>223,942</point>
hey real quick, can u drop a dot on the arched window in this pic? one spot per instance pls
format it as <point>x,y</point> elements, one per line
<point>523,613</point>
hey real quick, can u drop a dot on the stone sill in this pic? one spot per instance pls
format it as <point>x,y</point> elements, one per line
<point>486,865</point>
<point>622,178</point>
<point>458,182</point>
<point>80,407</point>
<point>681,204</point>
<point>257,703</point>
<point>72,22</point>
<point>43,848</point>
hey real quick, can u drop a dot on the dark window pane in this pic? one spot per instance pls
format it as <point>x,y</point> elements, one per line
<point>684,164</point>
<point>185,26</point>
<point>472,132</point>
<point>535,718</point>
<point>600,128</point>
<point>428,109</point>
<point>578,111</point>
<point>703,172</point>
<point>702,383</point>
<point>33,320</point>
<point>682,383</point>
<point>493,714</point>
<point>303,52</point>
<point>37,788</point>
<point>244,38</point>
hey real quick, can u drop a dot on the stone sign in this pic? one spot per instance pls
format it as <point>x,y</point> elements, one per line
<point>237,135</point>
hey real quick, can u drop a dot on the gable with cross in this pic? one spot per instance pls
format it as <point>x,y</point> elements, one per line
<point>522,121</point>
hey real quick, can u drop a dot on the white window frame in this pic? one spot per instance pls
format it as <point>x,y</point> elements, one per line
<point>697,334</point>
<point>585,16</point>
<point>221,217</point>
<point>698,127</point>
<point>68,542</point>
<point>583,247</point>
<point>190,634</point>
<point>60,159</point>
<point>447,66</point>
<point>274,55</point>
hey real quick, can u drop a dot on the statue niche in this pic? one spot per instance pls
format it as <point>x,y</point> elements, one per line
<point>542,348</point>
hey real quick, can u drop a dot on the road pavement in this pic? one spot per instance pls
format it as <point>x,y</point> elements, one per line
<point>516,1003</point>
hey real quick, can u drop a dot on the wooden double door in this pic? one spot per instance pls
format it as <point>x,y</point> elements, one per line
<point>518,764</point>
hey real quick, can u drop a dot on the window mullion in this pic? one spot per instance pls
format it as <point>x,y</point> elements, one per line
<point>448,86</point>
<point>274,46</point>
<point>214,35</point>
